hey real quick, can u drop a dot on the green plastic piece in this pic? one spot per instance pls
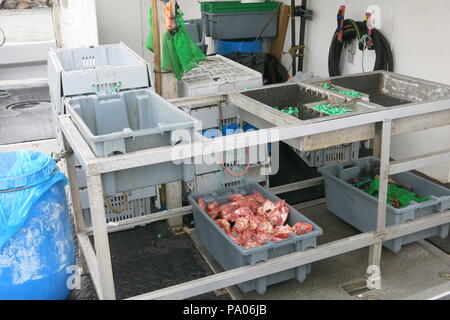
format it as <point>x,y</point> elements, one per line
<point>332,111</point>
<point>395,192</point>
<point>237,6</point>
<point>159,236</point>
<point>350,93</point>
<point>179,52</point>
<point>293,111</point>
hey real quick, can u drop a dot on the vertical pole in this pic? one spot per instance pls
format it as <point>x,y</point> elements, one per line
<point>101,242</point>
<point>56,18</point>
<point>294,64</point>
<point>156,46</point>
<point>75,193</point>
<point>171,192</point>
<point>302,37</point>
<point>375,250</point>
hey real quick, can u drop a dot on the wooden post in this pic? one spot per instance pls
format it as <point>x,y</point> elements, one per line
<point>101,241</point>
<point>156,46</point>
<point>167,88</point>
<point>56,17</point>
<point>276,48</point>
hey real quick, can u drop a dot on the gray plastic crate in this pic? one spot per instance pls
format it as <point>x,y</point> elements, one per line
<point>77,71</point>
<point>125,205</point>
<point>131,121</point>
<point>359,209</point>
<point>229,255</point>
<point>240,25</point>
<point>218,74</point>
<point>328,156</point>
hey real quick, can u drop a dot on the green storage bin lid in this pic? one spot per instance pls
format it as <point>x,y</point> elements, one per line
<point>237,6</point>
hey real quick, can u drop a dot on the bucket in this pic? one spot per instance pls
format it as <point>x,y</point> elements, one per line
<point>37,256</point>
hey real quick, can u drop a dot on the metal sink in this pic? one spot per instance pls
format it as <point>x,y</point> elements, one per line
<point>388,89</point>
<point>260,107</point>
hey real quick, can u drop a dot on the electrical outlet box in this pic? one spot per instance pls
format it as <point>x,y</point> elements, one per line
<point>375,12</point>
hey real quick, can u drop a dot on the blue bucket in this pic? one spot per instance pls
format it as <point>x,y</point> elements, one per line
<point>37,256</point>
<point>225,46</point>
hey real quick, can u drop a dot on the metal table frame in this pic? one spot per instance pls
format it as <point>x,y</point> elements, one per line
<point>98,260</point>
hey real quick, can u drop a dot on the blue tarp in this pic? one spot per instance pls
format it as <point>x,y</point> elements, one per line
<point>24,177</point>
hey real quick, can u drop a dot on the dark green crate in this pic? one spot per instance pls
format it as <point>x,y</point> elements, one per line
<point>237,6</point>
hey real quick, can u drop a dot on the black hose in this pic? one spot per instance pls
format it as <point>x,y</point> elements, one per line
<point>356,30</point>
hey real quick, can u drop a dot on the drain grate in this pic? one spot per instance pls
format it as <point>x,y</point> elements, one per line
<point>355,288</point>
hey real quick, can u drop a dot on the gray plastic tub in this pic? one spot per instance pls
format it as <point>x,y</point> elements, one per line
<point>359,209</point>
<point>229,255</point>
<point>240,25</point>
<point>131,121</point>
<point>389,89</point>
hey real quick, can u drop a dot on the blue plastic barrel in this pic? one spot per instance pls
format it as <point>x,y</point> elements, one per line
<point>226,46</point>
<point>37,256</point>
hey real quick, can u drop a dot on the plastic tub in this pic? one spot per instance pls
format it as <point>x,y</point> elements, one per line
<point>227,46</point>
<point>359,209</point>
<point>37,256</point>
<point>229,255</point>
<point>240,25</point>
<point>218,74</point>
<point>77,71</point>
<point>389,89</point>
<point>131,121</point>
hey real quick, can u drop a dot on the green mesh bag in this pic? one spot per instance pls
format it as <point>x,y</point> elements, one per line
<point>149,42</point>
<point>179,52</point>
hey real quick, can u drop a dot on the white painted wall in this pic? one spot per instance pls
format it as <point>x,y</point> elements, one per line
<point>78,23</point>
<point>416,30</point>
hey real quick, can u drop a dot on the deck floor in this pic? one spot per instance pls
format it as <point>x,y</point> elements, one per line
<point>407,273</point>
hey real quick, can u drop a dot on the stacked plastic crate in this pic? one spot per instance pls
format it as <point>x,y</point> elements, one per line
<point>220,75</point>
<point>107,91</point>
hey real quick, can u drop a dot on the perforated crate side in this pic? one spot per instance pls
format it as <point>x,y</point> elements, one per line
<point>331,155</point>
<point>116,210</point>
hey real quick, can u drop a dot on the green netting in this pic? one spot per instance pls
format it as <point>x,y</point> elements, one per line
<point>349,93</point>
<point>179,52</point>
<point>397,196</point>
<point>333,111</point>
<point>149,42</point>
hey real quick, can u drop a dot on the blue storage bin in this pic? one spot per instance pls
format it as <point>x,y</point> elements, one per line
<point>225,47</point>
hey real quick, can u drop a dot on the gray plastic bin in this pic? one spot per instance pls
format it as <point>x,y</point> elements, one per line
<point>131,121</point>
<point>359,209</point>
<point>240,25</point>
<point>229,255</point>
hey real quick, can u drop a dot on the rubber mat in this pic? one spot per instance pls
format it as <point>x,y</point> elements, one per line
<point>149,258</point>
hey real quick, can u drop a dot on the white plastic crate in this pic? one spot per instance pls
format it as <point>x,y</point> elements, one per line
<point>218,75</point>
<point>123,206</point>
<point>78,71</point>
<point>331,155</point>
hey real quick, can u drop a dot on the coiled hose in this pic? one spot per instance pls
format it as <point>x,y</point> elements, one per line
<point>358,30</point>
